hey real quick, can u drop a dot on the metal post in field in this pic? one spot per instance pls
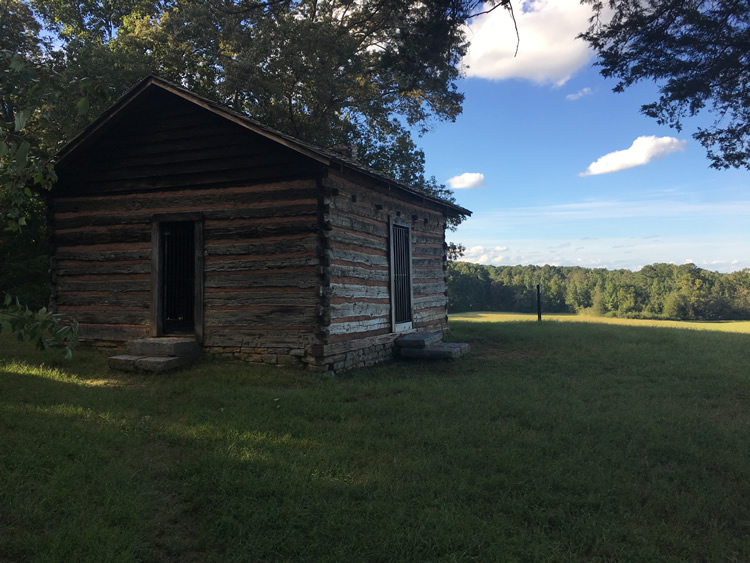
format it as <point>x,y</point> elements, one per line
<point>539,302</point>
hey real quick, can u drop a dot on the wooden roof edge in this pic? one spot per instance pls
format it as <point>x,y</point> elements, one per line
<point>324,156</point>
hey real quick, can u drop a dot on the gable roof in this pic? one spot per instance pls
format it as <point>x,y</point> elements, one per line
<point>326,157</point>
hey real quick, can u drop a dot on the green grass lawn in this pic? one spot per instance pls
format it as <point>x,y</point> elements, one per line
<point>496,317</point>
<point>550,441</point>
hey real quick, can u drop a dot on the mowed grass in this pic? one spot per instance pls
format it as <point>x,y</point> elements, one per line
<point>496,317</point>
<point>550,441</point>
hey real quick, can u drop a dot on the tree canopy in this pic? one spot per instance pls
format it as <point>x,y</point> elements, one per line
<point>684,292</point>
<point>368,73</point>
<point>697,51</point>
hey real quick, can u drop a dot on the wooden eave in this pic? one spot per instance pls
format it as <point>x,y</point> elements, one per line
<point>321,155</point>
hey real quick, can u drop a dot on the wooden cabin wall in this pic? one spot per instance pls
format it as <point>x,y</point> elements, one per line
<point>259,203</point>
<point>261,280</point>
<point>358,280</point>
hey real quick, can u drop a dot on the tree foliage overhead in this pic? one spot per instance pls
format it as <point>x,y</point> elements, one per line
<point>368,73</point>
<point>698,52</point>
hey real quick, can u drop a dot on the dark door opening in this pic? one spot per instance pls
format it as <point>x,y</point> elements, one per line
<point>178,276</point>
<point>401,274</point>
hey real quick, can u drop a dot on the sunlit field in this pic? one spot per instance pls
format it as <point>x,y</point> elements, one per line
<point>494,317</point>
<point>548,442</point>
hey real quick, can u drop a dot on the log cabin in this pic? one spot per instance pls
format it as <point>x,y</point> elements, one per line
<point>173,215</point>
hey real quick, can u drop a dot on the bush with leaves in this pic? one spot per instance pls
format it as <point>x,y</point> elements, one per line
<point>43,328</point>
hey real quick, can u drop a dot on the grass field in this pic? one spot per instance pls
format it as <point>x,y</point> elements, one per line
<point>494,317</point>
<point>550,441</point>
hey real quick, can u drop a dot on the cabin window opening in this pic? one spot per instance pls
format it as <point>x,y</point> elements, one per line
<point>401,277</point>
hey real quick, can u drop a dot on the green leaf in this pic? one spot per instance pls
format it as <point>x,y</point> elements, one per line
<point>16,63</point>
<point>3,148</point>
<point>8,300</point>
<point>68,353</point>
<point>21,118</point>
<point>83,106</point>
<point>22,154</point>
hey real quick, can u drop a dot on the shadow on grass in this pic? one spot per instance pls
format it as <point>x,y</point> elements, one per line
<point>598,443</point>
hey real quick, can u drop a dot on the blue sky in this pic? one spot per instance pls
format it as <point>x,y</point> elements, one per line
<point>560,170</point>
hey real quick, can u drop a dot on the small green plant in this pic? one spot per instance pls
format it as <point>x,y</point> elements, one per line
<point>43,328</point>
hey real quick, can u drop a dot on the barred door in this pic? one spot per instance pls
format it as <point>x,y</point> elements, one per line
<point>401,272</point>
<point>178,273</point>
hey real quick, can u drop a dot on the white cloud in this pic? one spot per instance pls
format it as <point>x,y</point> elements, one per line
<point>641,152</point>
<point>467,180</point>
<point>548,51</point>
<point>716,252</point>
<point>579,94</point>
<point>482,255</point>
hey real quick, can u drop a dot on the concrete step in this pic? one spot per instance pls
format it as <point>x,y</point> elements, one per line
<point>164,347</point>
<point>418,339</point>
<point>441,351</point>
<point>157,354</point>
<point>128,362</point>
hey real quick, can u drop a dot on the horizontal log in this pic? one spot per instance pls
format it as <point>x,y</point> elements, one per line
<point>359,326</point>
<point>424,288</point>
<point>365,258</point>
<point>429,314</point>
<point>256,338</point>
<point>371,274</point>
<point>267,298</point>
<point>113,333</point>
<point>255,231</point>
<point>70,253</point>
<point>215,211</point>
<point>102,268</point>
<point>348,337</point>
<point>343,236</point>
<point>351,291</point>
<point>226,146</point>
<point>253,263</point>
<point>372,191</point>
<point>131,299</point>
<point>358,309</point>
<point>359,343</point>
<point>433,301</point>
<point>135,169</point>
<point>428,276</point>
<point>110,315</point>
<point>357,224</point>
<point>114,235</point>
<point>244,195</point>
<point>246,280</point>
<point>217,179</point>
<point>118,286</point>
<point>301,243</point>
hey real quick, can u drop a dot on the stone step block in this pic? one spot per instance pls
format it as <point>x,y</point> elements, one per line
<point>128,362</point>
<point>124,362</point>
<point>419,339</point>
<point>441,351</point>
<point>164,347</point>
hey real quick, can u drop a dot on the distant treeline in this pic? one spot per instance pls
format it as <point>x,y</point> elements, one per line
<point>655,291</point>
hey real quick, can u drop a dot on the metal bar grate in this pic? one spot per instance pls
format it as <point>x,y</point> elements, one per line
<point>401,274</point>
<point>178,255</point>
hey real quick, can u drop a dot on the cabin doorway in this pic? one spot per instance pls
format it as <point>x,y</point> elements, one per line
<point>178,276</point>
<point>401,273</point>
<point>177,287</point>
